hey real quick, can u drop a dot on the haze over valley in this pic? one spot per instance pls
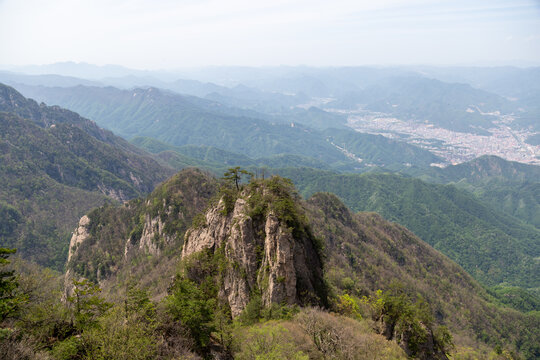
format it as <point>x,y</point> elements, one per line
<point>454,121</point>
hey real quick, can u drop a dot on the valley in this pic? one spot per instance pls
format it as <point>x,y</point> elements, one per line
<point>224,212</point>
<point>269,180</point>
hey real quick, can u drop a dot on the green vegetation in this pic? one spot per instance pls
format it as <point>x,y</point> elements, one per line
<point>268,341</point>
<point>505,185</point>
<point>315,118</point>
<point>366,253</point>
<point>194,308</point>
<point>38,212</point>
<point>490,245</point>
<point>363,253</point>
<point>409,322</point>
<point>234,175</point>
<point>55,167</point>
<point>88,305</point>
<point>86,327</point>
<point>186,324</point>
<point>10,301</point>
<point>516,297</point>
<point>217,160</point>
<point>184,120</point>
<point>436,304</point>
<point>173,204</point>
<point>381,151</point>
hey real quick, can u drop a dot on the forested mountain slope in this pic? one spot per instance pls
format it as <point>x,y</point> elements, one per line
<point>181,120</point>
<point>505,185</point>
<point>381,151</point>
<point>366,252</point>
<point>56,166</point>
<point>490,245</point>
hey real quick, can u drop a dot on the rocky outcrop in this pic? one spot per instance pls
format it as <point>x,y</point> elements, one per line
<point>152,235</point>
<point>264,255</point>
<point>135,238</point>
<point>116,194</point>
<point>79,235</point>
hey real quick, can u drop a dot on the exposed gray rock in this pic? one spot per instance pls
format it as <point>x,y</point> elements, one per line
<point>262,254</point>
<point>153,229</point>
<point>79,235</point>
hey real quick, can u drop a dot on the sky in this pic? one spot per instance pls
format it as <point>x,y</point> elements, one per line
<point>167,34</point>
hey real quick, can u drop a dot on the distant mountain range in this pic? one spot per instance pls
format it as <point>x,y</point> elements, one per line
<point>438,94</point>
<point>182,120</point>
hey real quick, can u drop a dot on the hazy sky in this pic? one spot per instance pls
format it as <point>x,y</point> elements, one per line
<point>152,34</point>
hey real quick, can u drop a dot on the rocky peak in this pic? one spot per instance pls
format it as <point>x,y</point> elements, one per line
<point>267,243</point>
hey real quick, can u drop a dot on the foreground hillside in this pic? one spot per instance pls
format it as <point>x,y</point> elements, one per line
<point>55,167</point>
<point>366,253</point>
<point>246,250</point>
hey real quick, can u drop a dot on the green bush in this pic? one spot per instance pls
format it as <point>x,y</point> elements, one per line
<point>269,341</point>
<point>190,305</point>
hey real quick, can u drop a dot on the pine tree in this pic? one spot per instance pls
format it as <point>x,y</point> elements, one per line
<point>235,175</point>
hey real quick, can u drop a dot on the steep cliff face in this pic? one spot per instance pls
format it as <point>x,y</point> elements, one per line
<point>267,252</point>
<point>79,235</point>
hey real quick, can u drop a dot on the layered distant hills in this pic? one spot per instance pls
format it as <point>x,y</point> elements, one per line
<point>181,120</point>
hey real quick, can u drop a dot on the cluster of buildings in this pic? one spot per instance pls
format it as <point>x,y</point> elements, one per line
<point>454,147</point>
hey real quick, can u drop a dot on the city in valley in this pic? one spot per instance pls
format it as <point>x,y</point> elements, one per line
<point>453,147</point>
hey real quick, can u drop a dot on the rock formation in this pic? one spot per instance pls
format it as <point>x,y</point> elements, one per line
<point>265,254</point>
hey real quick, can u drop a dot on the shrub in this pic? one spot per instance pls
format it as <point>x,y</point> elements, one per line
<point>269,341</point>
<point>188,304</point>
<point>338,337</point>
